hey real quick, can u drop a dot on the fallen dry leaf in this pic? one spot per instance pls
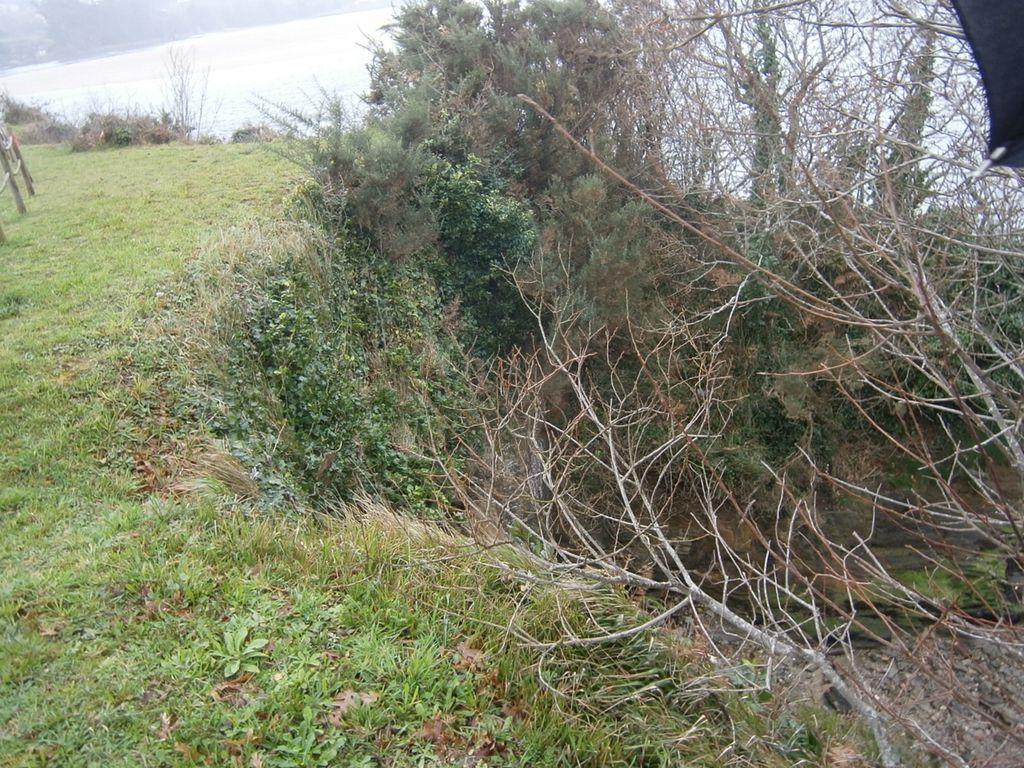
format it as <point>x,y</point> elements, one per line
<point>167,723</point>
<point>469,657</point>
<point>515,709</point>
<point>344,701</point>
<point>156,607</point>
<point>489,746</point>
<point>47,631</point>
<point>153,696</point>
<point>186,750</point>
<point>231,691</point>
<point>347,700</point>
<point>434,730</point>
<point>236,747</point>
<point>325,463</point>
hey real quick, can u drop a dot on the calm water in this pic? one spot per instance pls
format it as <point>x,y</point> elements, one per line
<point>282,63</point>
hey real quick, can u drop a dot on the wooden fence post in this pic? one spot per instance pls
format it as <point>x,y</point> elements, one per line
<point>30,183</point>
<point>9,179</point>
<point>12,164</point>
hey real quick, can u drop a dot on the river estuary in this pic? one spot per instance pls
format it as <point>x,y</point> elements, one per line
<point>243,70</point>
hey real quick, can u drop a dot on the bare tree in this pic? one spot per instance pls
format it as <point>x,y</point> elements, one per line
<point>186,92</point>
<point>828,148</point>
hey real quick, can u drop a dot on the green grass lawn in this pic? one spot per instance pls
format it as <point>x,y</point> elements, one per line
<point>141,627</point>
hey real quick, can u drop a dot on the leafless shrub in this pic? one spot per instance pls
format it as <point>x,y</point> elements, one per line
<point>120,129</point>
<point>34,123</point>
<point>187,91</point>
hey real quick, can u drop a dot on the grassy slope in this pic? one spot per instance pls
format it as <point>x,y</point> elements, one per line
<point>384,645</point>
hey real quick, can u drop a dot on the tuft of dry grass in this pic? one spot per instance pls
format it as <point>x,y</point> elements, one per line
<point>214,463</point>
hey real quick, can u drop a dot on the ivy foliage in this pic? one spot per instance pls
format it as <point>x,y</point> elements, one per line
<point>484,234</point>
<point>337,378</point>
<point>453,219</point>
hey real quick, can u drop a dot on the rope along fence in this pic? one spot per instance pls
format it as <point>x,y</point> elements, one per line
<point>13,165</point>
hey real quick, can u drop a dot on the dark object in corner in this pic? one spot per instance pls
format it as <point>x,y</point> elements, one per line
<point>995,31</point>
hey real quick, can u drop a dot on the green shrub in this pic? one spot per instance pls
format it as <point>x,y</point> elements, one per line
<point>334,375</point>
<point>484,234</point>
